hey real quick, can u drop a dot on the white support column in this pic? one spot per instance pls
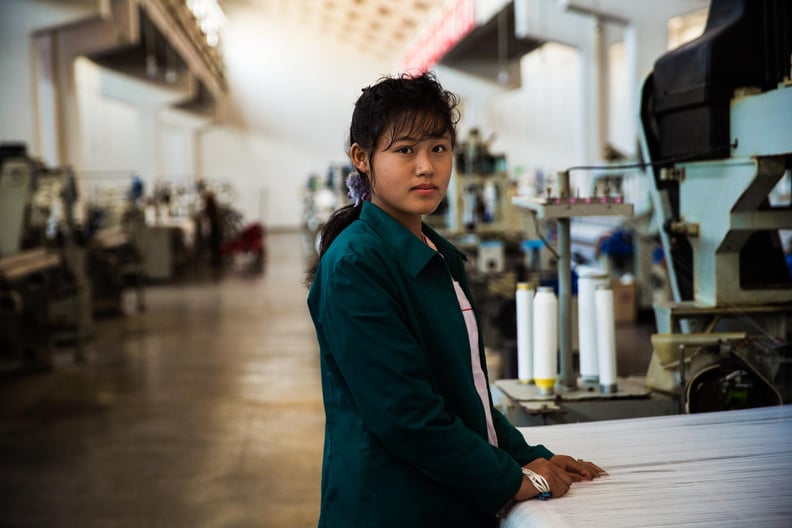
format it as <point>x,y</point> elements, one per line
<point>55,52</point>
<point>593,126</point>
<point>643,43</point>
<point>148,146</point>
<point>46,99</point>
<point>602,66</point>
<point>69,148</point>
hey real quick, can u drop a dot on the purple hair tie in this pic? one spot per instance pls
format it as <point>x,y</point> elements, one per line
<point>358,188</point>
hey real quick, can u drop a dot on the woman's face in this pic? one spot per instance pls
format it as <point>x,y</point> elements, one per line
<point>409,175</point>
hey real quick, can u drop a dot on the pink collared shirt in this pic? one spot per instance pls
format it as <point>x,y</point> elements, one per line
<point>479,379</point>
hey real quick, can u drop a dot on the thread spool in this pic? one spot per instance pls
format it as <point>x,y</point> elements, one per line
<point>524,301</point>
<point>545,340</point>
<point>606,339</point>
<point>587,325</point>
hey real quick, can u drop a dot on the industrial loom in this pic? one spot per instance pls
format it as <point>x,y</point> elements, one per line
<point>717,137</point>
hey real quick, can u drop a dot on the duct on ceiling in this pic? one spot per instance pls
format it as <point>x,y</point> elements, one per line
<point>492,50</point>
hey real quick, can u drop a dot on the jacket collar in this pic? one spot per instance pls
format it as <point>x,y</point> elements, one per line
<point>414,254</point>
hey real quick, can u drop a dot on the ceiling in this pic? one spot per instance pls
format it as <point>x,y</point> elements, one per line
<point>383,28</point>
<point>386,29</point>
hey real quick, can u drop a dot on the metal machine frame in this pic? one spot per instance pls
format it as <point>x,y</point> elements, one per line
<point>718,141</point>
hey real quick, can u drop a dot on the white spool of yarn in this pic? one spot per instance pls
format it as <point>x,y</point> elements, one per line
<point>524,301</point>
<point>545,333</point>
<point>606,339</point>
<point>588,280</point>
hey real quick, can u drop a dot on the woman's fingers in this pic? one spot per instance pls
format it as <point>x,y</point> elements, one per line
<point>581,468</point>
<point>562,470</point>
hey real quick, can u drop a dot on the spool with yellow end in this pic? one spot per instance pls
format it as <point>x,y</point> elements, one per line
<point>545,340</point>
<point>546,386</point>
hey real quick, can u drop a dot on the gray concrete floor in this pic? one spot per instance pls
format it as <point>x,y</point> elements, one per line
<point>205,410</point>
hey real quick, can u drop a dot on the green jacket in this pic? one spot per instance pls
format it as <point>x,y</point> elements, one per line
<point>405,435</point>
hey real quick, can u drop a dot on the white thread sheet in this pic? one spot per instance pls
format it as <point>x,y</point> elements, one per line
<point>726,469</point>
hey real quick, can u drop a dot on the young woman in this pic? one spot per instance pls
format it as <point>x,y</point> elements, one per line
<point>411,438</point>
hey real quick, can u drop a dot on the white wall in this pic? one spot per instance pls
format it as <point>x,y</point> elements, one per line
<point>537,125</point>
<point>126,128</point>
<point>291,100</point>
<point>18,19</point>
<point>175,154</point>
<point>110,138</point>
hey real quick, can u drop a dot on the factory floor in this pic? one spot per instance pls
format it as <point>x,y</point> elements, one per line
<point>203,410</point>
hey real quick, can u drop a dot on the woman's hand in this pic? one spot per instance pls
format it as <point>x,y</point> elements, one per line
<point>579,469</point>
<point>559,472</point>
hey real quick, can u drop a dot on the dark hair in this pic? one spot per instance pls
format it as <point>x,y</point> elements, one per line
<point>414,105</point>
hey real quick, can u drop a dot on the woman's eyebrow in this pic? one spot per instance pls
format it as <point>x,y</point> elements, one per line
<point>420,138</point>
<point>405,138</point>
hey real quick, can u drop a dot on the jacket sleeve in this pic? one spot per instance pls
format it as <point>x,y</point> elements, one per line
<point>367,333</point>
<point>513,442</point>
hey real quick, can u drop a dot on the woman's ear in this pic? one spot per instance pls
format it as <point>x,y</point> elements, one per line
<point>359,157</point>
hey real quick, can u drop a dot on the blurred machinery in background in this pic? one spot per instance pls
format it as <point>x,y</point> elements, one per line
<point>113,264</point>
<point>716,130</point>
<point>167,233</point>
<point>248,244</point>
<point>42,297</point>
<point>109,245</point>
<point>478,199</point>
<point>321,197</point>
<point>57,274</point>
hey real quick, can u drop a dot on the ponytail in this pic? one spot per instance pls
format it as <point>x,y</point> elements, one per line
<point>337,222</point>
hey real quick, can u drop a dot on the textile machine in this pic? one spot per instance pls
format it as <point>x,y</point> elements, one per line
<point>35,281</point>
<point>716,132</point>
<point>716,144</point>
